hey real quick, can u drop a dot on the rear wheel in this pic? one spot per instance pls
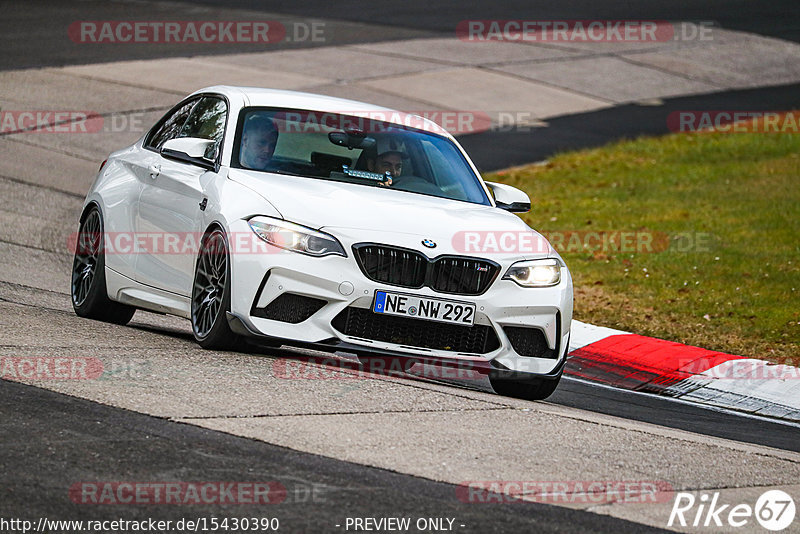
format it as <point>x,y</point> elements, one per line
<point>211,294</point>
<point>88,287</point>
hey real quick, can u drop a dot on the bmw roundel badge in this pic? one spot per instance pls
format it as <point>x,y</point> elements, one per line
<point>430,243</point>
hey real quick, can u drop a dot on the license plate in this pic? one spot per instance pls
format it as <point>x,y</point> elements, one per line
<point>432,309</point>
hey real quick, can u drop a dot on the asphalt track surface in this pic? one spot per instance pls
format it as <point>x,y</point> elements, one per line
<point>50,440</point>
<point>494,150</point>
<point>86,441</point>
<point>32,34</point>
<point>776,19</point>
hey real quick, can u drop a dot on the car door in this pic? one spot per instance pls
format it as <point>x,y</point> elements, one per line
<point>129,172</point>
<point>172,202</point>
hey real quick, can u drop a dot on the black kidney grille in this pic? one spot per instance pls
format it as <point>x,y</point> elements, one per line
<point>408,268</point>
<point>465,276</point>
<point>395,266</point>
<point>363,323</point>
<point>529,342</point>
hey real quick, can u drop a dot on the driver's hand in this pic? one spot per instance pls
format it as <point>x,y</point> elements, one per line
<point>387,183</point>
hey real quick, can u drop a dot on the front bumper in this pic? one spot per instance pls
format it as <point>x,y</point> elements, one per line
<point>260,278</point>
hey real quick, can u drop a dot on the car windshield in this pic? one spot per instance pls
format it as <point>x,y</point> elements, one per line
<point>357,150</point>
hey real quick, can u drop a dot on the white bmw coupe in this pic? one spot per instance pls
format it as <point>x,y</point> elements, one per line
<point>297,219</point>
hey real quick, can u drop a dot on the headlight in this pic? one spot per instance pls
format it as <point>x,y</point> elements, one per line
<point>535,273</point>
<point>294,237</point>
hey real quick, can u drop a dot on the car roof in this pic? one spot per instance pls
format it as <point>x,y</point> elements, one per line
<point>280,98</point>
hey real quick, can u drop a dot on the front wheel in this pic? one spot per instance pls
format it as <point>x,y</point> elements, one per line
<point>534,388</point>
<point>211,294</point>
<point>88,287</point>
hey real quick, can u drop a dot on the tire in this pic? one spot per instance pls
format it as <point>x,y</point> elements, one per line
<point>524,388</point>
<point>211,295</point>
<point>88,282</point>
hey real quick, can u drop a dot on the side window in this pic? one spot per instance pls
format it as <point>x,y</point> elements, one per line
<point>207,121</point>
<point>169,126</point>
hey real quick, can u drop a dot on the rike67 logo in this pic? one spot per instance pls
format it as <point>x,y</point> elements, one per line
<point>774,510</point>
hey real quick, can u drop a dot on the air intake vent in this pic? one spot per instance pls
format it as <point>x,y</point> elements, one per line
<point>364,324</point>
<point>290,308</point>
<point>529,342</point>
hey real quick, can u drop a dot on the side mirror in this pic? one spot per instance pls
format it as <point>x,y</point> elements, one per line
<point>191,150</point>
<point>510,198</point>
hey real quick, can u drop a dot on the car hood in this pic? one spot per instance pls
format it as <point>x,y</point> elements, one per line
<point>366,211</point>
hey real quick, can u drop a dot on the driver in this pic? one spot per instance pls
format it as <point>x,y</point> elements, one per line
<point>259,137</point>
<point>389,159</point>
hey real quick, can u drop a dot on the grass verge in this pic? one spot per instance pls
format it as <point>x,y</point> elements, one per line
<point>721,213</point>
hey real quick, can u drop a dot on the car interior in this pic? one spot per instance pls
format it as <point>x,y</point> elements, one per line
<point>343,155</point>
